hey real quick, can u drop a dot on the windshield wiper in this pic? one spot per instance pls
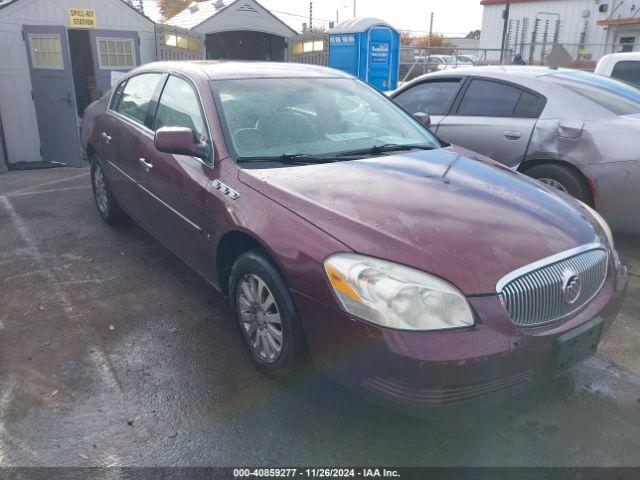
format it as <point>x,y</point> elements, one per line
<point>296,158</point>
<point>387,147</point>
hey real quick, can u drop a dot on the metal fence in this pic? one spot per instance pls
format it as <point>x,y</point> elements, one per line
<point>416,61</point>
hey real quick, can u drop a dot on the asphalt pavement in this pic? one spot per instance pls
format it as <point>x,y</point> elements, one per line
<point>114,353</point>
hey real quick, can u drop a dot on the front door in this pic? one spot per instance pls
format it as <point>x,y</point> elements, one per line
<point>174,187</point>
<point>379,61</point>
<point>115,52</point>
<point>53,93</point>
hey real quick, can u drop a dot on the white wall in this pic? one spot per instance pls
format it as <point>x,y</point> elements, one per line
<point>571,13</point>
<point>16,106</point>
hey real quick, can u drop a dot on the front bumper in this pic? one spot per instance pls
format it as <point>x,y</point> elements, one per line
<point>417,371</point>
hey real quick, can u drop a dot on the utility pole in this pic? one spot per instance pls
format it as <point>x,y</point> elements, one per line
<point>504,30</point>
<point>430,32</point>
<point>354,8</point>
<point>310,15</point>
<point>337,16</point>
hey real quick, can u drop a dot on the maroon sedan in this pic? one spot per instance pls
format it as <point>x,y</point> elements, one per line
<point>413,271</point>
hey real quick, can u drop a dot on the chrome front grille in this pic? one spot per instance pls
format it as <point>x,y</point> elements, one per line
<point>553,288</point>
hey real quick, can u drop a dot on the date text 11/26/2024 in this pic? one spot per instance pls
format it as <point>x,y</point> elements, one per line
<point>315,473</point>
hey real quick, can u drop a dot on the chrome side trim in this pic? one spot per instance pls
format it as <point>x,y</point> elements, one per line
<point>121,171</point>
<point>547,261</point>
<point>171,208</point>
<point>197,227</point>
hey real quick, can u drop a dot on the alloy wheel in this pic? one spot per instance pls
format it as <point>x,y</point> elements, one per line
<point>260,317</point>
<point>554,183</point>
<point>101,190</point>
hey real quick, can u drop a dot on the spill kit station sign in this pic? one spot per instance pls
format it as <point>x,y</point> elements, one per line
<point>82,18</point>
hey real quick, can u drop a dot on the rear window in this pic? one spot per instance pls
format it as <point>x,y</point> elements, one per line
<point>618,97</point>
<point>628,72</point>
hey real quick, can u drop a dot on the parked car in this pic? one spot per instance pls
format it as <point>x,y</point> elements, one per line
<point>572,130</point>
<point>342,229</point>
<point>457,61</point>
<point>623,66</point>
<point>436,62</point>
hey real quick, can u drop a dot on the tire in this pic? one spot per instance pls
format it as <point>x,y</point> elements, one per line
<point>254,268</point>
<point>563,179</point>
<point>107,206</point>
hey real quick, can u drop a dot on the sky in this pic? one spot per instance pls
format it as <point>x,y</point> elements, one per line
<point>451,17</point>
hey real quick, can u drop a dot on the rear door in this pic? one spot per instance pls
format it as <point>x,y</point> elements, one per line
<point>434,97</point>
<point>53,93</point>
<point>493,118</point>
<point>115,52</point>
<point>174,187</point>
<point>122,131</point>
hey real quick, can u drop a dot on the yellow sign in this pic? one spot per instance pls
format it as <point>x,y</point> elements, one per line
<point>82,18</point>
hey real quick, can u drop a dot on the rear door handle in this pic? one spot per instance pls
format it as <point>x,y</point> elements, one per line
<point>106,137</point>
<point>146,165</point>
<point>512,135</point>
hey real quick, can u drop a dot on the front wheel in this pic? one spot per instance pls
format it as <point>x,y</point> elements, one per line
<point>266,316</point>
<point>563,179</point>
<point>106,203</point>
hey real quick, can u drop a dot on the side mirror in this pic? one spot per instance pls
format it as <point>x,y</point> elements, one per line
<point>181,141</point>
<point>423,118</point>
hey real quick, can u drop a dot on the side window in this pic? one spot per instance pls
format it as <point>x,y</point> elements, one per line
<point>528,106</point>
<point>429,97</point>
<point>137,95</point>
<point>627,71</point>
<point>485,98</point>
<point>115,100</point>
<point>179,107</point>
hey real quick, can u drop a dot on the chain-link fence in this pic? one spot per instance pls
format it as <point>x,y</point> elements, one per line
<point>416,61</point>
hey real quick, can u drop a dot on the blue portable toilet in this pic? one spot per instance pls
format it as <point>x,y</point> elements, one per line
<point>367,48</point>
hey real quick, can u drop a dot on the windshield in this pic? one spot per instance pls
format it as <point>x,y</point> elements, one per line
<point>617,97</point>
<point>311,116</point>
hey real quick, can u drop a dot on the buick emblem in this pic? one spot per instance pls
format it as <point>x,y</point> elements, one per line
<point>571,286</point>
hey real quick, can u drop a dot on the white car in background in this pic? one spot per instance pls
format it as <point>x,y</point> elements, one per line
<point>623,66</point>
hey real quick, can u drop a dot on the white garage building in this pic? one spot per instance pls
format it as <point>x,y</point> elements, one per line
<point>236,29</point>
<point>55,58</point>
<point>588,29</point>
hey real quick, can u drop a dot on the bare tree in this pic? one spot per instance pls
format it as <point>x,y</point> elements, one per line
<point>170,8</point>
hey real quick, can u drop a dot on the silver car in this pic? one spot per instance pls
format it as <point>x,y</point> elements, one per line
<point>570,129</point>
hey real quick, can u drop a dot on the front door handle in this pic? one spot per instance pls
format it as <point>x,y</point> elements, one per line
<point>512,135</point>
<point>146,165</point>
<point>106,137</point>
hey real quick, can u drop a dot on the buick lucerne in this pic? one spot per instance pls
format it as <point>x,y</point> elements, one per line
<point>418,273</point>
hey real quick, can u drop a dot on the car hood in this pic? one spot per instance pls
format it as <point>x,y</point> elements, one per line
<point>448,212</point>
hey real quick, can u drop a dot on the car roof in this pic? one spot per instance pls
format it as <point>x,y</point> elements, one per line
<point>228,70</point>
<point>503,71</point>
<point>623,56</point>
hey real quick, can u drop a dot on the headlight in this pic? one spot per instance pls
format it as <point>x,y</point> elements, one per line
<point>603,224</point>
<point>396,296</point>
